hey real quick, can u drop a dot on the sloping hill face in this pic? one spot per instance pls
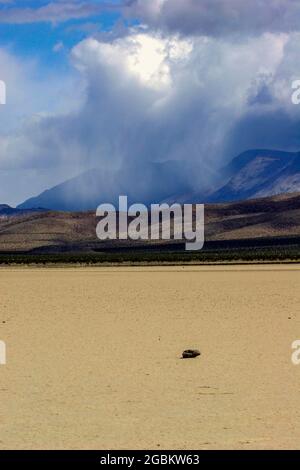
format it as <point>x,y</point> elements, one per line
<point>94,187</point>
<point>259,173</point>
<point>41,230</point>
<point>77,194</point>
<point>71,232</point>
<point>271,217</point>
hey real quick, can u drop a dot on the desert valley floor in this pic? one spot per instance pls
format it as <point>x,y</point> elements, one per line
<point>93,358</point>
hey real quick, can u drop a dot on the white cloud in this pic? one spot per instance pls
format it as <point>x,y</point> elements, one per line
<point>55,12</point>
<point>152,97</point>
<point>146,57</point>
<point>32,90</point>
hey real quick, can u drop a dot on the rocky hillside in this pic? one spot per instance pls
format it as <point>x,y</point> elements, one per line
<point>259,173</point>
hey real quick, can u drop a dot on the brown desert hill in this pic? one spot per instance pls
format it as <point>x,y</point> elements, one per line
<point>36,230</point>
<point>276,216</point>
<point>271,217</point>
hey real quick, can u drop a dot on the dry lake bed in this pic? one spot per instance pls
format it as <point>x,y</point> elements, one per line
<point>93,358</point>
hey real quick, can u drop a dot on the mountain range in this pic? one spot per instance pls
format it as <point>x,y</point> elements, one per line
<point>7,211</point>
<point>259,173</point>
<point>97,186</point>
<point>253,174</point>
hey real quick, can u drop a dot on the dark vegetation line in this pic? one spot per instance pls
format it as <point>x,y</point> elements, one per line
<point>270,254</point>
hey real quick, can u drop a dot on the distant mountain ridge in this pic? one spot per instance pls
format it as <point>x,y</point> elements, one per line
<point>252,174</point>
<point>97,186</point>
<point>259,173</point>
<point>6,210</point>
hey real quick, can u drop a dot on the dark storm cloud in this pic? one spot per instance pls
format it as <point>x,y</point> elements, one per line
<point>219,17</point>
<point>278,130</point>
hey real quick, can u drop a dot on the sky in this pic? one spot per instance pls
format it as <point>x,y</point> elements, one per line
<point>121,84</point>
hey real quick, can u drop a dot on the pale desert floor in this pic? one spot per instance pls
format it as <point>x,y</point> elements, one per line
<point>93,358</point>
